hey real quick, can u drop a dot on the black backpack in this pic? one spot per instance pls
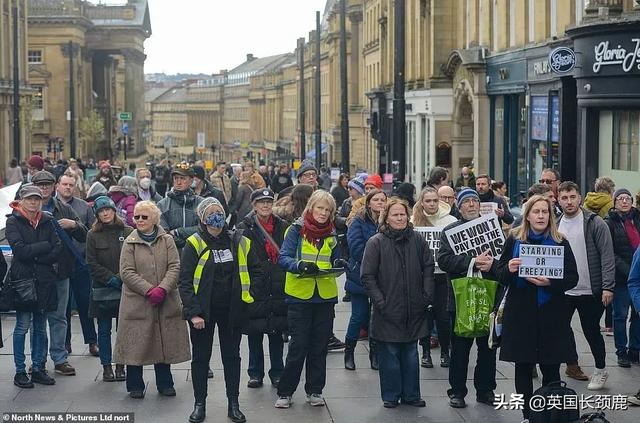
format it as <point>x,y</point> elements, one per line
<point>555,414</point>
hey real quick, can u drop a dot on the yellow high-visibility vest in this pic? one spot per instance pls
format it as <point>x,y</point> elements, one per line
<point>304,287</point>
<point>243,251</point>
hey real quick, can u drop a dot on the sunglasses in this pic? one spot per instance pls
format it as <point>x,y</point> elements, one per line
<point>140,216</point>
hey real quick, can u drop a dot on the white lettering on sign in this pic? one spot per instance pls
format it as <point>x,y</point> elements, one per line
<point>541,68</point>
<point>619,55</point>
<point>541,261</point>
<point>477,236</point>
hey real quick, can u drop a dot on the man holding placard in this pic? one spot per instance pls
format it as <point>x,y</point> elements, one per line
<point>490,202</point>
<point>480,243</point>
<point>591,243</point>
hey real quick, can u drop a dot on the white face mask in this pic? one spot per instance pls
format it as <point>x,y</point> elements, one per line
<point>145,183</point>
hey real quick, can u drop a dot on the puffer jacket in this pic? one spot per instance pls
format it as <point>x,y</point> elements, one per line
<point>125,204</point>
<point>35,255</point>
<point>621,247</point>
<point>268,312</point>
<point>179,214</point>
<point>361,229</point>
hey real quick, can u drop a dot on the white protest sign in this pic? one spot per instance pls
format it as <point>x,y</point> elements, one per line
<point>476,236</point>
<point>488,208</point>
<point>432,236</point>
<point>541,261</point>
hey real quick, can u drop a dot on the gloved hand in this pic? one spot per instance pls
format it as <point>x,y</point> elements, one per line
<point>341,263</point>
<point>114,283</point>
<point>308,268</point>
<point>156,295</point>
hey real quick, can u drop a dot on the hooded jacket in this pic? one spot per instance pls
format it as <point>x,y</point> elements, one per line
<point>125,204</point>
<point>179,214</point>
<point>599,203</point>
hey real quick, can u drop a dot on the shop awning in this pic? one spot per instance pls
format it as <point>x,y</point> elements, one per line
<point>311,154</point>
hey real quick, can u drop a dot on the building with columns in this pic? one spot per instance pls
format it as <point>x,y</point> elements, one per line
<point>84,57</point>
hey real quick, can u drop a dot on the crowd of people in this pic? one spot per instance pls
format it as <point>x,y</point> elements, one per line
<point>249,251</point>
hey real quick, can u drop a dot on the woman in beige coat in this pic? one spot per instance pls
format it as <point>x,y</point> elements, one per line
<point>151,329</point>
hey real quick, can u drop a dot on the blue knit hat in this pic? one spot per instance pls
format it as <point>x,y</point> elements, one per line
<point>357,183</point>
<point>103,202</point>
<point>465,193</point>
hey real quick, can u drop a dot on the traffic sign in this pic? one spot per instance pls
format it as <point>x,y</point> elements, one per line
<point>201,140</point>
<point>124,115</point>
<point>125,128</point>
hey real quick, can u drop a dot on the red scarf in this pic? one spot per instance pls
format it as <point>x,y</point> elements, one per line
<point>271,249</point>
<point>315,232</point>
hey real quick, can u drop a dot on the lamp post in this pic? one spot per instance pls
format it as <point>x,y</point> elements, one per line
<point>303,130</point>
<point>16,82</point>
<point>344,102</point>
<point>399,124</point>
<point>318,132</point>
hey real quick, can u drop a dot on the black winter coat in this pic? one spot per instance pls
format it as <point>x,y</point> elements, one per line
<point>200,304</point>
<point>622,250</point>
<point>210,191</point>
<point>398,277</point>
<point>532,333</point>
<point>103,258</point>
<point>280,182</point>
<point>268,312</point>
<point>35,254</point>
<point>456,266</point>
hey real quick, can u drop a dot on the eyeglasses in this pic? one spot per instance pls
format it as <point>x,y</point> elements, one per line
<point>309,175</point>
<point>624,199</point>
<point>139,216</point>
<point>447,197</point>
<point>547,181</point>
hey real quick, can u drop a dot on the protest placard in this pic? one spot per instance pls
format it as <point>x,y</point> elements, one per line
<point>541,261</point>
<point>488,208</point>
<point>432,236</point>
<point>476,236</point>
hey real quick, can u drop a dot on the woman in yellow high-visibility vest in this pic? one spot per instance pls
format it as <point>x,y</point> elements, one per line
<point>309,249</point>
<point>215,281</point>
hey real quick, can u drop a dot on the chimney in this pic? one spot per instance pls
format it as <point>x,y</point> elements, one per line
<point>602,9</point>
<point>250,57</point>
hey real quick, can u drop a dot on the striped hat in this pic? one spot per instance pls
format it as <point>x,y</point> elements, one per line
<point>465,193</point>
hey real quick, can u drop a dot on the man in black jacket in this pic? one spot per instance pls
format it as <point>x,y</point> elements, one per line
<point>69,228</point>
<point>205,189</point>
<point>486,194</point>
<point>456,267</point>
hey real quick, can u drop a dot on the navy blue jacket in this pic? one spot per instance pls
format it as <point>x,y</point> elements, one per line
<point>359,232</point>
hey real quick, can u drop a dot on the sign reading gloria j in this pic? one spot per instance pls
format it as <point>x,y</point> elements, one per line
<point>432,236</point>
<point>605,55</point>
<point>476,236</point>
<point>562,60</point>
<point>541,261</point>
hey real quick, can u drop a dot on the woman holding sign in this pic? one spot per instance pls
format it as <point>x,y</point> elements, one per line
<point>397,274</point>
<point>430,212</point>
<point>361,228</point>
<point>533,330</point>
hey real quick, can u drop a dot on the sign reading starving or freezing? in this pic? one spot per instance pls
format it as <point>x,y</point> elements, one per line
<point>476,236</point>
<point>541,261</point>
<point>432,236</point>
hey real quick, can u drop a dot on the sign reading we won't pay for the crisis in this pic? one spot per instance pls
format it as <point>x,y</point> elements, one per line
<point>541,261</point>
<point>477,236</point>
<point>432,236</point>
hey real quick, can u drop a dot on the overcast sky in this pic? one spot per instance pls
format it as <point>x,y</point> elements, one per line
<point>209,35</point>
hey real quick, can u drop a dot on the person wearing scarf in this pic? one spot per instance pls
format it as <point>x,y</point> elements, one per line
<point>624,223</point>
<point>397,274</point>
<point>535,329</point>
<point>310,248</point>
<point>268,312</point>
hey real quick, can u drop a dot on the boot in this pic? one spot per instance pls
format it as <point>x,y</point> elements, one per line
<point>445,359</point>
<point>120,374</point>
<point>349,362</point>
<point>199,413</point>
<point>107,373</point>
<point>373,354</point>
<point>233,411</point>
<point>426,357</point>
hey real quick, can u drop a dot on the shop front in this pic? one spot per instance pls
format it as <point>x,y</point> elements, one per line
<point>608,92</point>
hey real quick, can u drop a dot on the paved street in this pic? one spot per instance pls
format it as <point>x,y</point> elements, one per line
<point>350,396</point>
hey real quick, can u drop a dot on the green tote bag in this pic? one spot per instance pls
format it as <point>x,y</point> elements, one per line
<point>475,299</point>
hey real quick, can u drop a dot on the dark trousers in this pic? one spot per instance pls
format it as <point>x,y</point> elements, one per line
<point>256,356</point>
<point>440,317</point>
<point>399,371</point>
<point>484,376</point>
<point>310,327</point>
<point>80,287</point>
<point>135,382</point>
<point>359,316</point>
<point>524,380</point>
<point>590,311</point>
<point>202,344</point>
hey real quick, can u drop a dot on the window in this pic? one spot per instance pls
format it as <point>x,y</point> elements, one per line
<point>625,140</point>
<point>512,23</point>
<point>34,57</point>
<point>532,21</point>
<point>37,99</point>
<point>553,16</point>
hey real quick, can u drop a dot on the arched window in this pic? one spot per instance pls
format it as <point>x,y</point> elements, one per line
<point>443,155</point>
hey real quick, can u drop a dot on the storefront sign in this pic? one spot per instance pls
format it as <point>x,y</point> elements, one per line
<point>545,261</point>
<point>562,60</point>
<point>626,59</point>
<point>542,67</point>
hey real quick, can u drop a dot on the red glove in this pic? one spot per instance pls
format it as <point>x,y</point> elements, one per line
<point>156,295</point>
